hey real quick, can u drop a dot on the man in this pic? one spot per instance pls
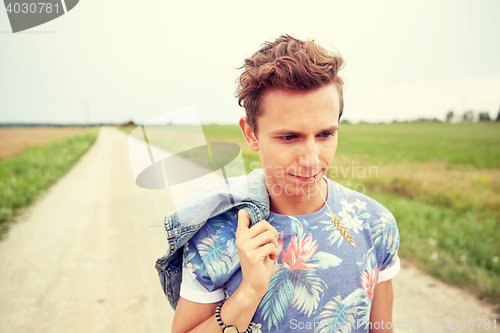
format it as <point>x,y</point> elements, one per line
<point>297,271</point>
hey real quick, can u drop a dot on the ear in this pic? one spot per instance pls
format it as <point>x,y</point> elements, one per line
<point>250,137</point>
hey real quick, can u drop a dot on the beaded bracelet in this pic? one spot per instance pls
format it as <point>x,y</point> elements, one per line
<point>219,320</point>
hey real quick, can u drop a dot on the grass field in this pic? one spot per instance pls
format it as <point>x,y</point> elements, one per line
<point>442,183</point>
<point>25,176</point>
<point>14,140</point>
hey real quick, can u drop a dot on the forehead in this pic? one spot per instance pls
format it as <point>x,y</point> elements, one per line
<point>298,109</point>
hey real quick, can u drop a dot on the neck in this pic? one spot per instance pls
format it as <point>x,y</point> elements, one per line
<point>286,204</point>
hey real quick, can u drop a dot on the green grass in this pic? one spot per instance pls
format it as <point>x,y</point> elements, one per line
<point>446,197</point>
<point>230,132</point>
<point>465,144</point>
<point>459,248</point>
<point>25,176</point>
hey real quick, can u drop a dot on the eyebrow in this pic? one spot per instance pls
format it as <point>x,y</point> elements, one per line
<point>292,132</point>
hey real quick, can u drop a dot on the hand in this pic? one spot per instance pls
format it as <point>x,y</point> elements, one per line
<point>257,250</point>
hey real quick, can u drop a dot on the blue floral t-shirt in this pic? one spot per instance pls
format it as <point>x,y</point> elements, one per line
<point>320,283</point>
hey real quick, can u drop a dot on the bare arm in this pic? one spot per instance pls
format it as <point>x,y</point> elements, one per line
<point>381,310</point>
<point>238,311</point>
<point>257,250</point>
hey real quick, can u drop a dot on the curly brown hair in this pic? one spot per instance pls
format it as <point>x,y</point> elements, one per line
<point>286,63</point>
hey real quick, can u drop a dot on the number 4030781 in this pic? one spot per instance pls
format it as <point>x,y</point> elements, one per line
<point>32,8</point>
<point>470,324</point>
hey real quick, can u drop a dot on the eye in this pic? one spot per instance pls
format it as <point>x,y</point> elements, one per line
<point>288,137</point>
<point>326,134</point>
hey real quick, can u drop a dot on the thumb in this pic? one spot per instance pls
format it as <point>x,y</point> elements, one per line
<point>243,222</point>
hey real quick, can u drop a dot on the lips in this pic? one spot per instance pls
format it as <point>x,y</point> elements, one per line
<point>305,178</point>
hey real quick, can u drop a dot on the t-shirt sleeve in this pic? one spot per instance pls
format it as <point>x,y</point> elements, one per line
<point>210,260</point>
<point>191,288</point>
<point>386,241</point>
<point>391,270</point>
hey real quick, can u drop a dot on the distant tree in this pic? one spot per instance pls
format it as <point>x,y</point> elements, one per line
<point>469,116</point>
<point>484,116</point>
<point>498,116</point>
<point>449,116</point>
<point>130,123</point>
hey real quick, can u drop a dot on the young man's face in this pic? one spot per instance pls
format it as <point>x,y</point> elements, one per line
<point>296,138</point>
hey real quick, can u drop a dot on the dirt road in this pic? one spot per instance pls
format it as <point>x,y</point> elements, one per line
<point>82,259</point>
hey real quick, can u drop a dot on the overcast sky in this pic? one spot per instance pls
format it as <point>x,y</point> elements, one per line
<point>134,60</point>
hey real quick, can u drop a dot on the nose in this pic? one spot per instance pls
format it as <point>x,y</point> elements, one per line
<point>309,155</point>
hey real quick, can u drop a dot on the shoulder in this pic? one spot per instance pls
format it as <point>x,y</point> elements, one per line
<point>343,196</point>
<point>358,210</point>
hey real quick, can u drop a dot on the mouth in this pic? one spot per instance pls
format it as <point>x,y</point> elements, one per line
<point>306,178</point>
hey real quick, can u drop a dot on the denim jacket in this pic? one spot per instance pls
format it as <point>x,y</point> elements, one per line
<point>248,192</point>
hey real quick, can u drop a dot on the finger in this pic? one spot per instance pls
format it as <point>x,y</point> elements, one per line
<point>267,250</point>
<point>274,254</point>
<point>270,227</point>
<point>243,222</point>
<point>268,233</point>
<point>261,240</point>
<point>261,227</point>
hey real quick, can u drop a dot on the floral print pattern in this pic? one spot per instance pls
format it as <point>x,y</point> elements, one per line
<point>317,276</point>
